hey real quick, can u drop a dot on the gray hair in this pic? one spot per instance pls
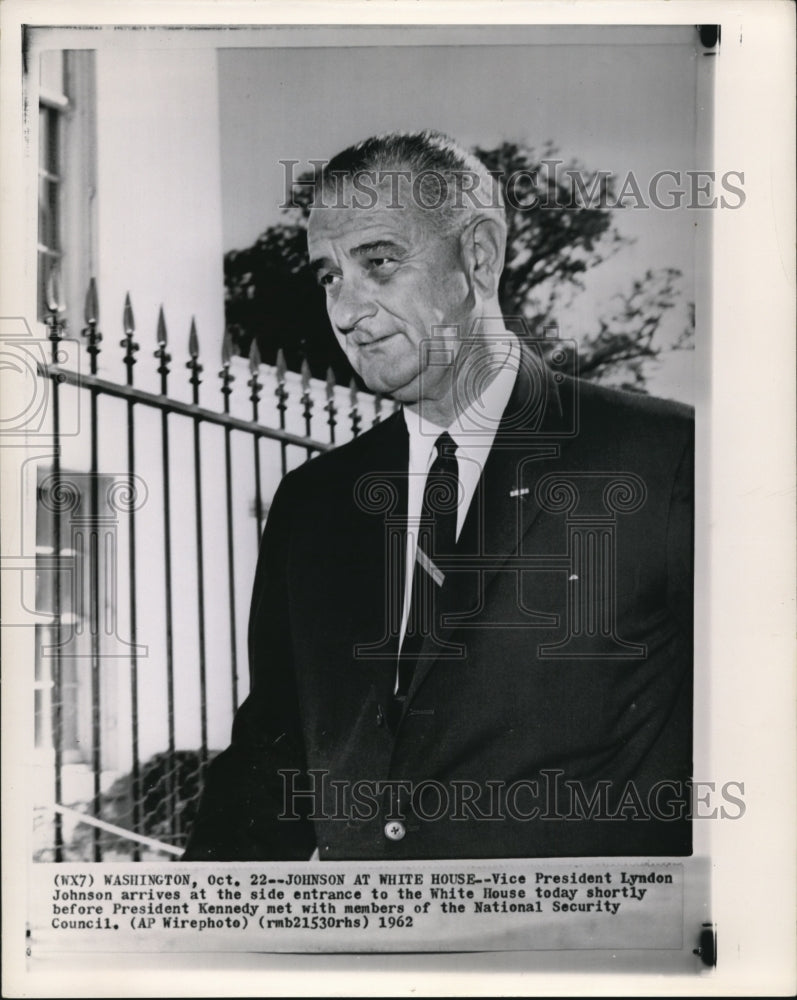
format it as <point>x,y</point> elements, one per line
<point>445,180</point>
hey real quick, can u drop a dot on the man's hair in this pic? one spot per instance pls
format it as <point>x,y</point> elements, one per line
<point>440,176</point>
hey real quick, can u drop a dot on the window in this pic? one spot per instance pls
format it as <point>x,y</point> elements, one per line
<point>66,178</point>
<point>53,104</point>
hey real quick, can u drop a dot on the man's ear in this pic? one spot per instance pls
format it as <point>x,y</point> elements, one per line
<point>482,245</point>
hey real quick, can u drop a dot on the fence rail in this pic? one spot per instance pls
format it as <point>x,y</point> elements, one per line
<point>150,799</point>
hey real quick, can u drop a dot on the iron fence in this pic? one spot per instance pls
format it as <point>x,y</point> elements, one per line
<point>124,781</point>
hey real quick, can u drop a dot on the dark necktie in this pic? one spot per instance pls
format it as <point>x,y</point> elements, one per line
<point>437,536</point>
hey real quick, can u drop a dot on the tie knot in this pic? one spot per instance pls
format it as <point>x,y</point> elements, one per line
<point>446,446</point>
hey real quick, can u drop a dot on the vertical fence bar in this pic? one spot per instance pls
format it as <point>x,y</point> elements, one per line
<point>195,380</point>
<point>130,348</point>
<point>255,385</point>
<point>94,337</point>
<point>354,411</point>
<point>227,378</point>
<point>163,370</point>
<point>282,404</point>
<point>330,404</point>
<point>307,403</point>
<point>56,330</point>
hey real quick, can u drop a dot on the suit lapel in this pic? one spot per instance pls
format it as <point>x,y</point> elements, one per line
<point>529,443</point>
<point>378,538</point>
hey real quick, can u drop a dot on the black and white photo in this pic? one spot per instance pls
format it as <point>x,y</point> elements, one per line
<point>389,518</point>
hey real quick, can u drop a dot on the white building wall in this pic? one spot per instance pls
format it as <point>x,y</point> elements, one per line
<point>159,239</point>
<point>159,190</point>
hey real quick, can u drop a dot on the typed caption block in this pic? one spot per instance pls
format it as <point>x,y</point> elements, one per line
<point>333,907</point>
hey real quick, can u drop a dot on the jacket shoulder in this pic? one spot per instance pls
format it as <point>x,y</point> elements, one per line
<point>623,415</point>
<point>380,444</point>
<point>624,402</point>
<point>652,435</point>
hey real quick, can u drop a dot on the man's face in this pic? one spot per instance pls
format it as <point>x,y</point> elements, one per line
<point>390,278</point>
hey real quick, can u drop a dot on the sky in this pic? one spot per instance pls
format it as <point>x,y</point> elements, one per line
<point>615,99</point>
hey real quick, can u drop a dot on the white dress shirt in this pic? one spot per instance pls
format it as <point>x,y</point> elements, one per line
<point>473,431</point>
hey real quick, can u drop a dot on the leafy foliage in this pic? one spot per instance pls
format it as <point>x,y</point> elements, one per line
<point>556,239</point>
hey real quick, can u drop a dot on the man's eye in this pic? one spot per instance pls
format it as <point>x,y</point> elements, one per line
<point>381,263</point>
<point>325,280</point>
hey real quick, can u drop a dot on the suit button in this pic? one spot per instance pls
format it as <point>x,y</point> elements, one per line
<point>395,830</point>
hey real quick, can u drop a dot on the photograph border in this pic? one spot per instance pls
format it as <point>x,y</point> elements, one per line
<point>745,477</point>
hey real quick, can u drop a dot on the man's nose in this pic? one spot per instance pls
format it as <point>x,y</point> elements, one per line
<point>351,306</point>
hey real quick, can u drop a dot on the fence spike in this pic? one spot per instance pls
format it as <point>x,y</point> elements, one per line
<point>354,412</point>
<point>129,345</point>
<point>91,331</point>
<point>226,348</point>
<point>254,358</point>
<point>91,308</point>
<point>281,365</point>
<point>128,320</point>
<point>193,340</point>
<point>162,354</point>
<point>225,374</point>
<point>330,383</point>
<point>307,401</point>
<point>193,364</point>
<point>54,303</point>
<point>162,337</point>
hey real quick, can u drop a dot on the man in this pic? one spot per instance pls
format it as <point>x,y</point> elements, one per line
<point>470,633</point>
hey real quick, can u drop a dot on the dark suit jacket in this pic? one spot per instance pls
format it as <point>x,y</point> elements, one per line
<point>552,712</point>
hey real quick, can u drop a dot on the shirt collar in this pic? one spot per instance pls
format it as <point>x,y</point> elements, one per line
<point>477,425</point>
